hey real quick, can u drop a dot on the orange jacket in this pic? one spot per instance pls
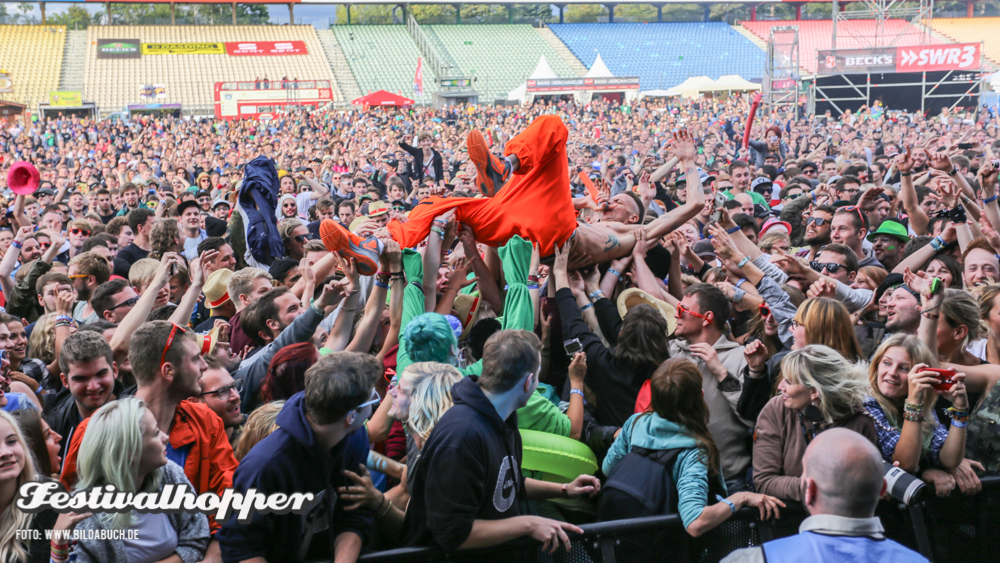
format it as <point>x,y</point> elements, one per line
<point>210,463</point>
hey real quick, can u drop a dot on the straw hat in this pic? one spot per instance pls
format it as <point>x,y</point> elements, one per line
<point>466,306</point>
<point>632,297</point>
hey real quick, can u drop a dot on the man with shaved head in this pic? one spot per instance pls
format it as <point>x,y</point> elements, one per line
<point>842,479</point>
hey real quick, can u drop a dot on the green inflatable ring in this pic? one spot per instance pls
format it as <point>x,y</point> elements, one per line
<point>554,458</point>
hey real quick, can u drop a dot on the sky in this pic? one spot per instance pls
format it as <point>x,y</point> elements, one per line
<point>319,16</point>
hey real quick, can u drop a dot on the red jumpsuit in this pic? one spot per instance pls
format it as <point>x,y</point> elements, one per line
<point>535,204</point>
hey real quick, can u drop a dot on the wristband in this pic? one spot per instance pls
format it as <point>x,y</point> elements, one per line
<point>959,423</point>
<point>596,295</point>
<point>587,306</point>
<point>531,286</point>
<point>533,278</point>
<point>383,274</point>
<point>18,245</point>
<point>615,273</point>
<point>743,262</point>
<point>985,201</point>
<point>382,284</point>
<point>738,295</point>
<point>733,230</point>
<point>937,243</point>
<point>727,501</point>
<point>64,318</point>
<point>577,392</point>
<point>905,174</point>
<point>739,283</point>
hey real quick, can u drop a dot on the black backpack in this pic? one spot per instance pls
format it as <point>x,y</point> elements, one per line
<point>642,484</point>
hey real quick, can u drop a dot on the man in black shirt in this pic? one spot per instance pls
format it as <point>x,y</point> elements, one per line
<point>141,222</point>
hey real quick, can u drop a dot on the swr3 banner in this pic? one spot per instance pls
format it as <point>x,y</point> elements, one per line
<point>923,58</point>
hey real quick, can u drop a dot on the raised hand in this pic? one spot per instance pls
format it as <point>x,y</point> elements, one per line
<point>756,355</point>
<point>578,370</point>
<point>904,161</point>
<point>949,192</point>
<point>869,199</point>
<point>823,287</point>
<point>683,146</point>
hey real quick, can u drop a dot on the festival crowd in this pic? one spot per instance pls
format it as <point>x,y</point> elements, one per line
<point>384,308</point>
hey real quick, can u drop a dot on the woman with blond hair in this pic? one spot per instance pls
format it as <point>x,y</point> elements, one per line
<point>124,448</point>
<point>259,425</point>
<point>17,467</point>
<point>819,390</point>
<point>678,419</point>
<point>817,321</point>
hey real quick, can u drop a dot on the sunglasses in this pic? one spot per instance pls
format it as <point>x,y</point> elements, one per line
<point>852,208</point>
<point>765,311</point>
<point>831,267</point>
<point>170,341</point>
<point>398,208</point>
<point>79,276</point>
<point>222,393</point>
<point>83,232</point>
<point>372,402</point>
<point>819,221</point>
<point>127,303</point>
<point>301,239</point>
<point>683,311</point>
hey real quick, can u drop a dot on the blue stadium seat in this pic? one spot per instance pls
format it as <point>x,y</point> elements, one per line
<point>664,54</point>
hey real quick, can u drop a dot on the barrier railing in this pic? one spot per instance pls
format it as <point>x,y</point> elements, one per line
<point>954,529</point>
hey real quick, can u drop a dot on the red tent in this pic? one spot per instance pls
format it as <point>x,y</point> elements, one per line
<point>382,98</point>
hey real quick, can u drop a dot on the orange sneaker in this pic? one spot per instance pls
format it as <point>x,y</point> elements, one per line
<point>364,251</point>
<point>491,172</point>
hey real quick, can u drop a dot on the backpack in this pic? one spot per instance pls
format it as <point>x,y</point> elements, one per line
<point>642,484</point>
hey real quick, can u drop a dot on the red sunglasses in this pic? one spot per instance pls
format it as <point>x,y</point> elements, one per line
<point>765,311</point>
<point>170,341</point>
<point>682,311</point>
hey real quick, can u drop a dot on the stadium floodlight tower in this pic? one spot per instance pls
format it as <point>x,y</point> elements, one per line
<point>781,85</point>
<point>919,14</point>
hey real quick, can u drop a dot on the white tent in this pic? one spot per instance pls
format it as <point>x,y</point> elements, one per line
<point>599,69</point>
<point>692,86</point>
<point>542,71</point>
<point>735,83</point>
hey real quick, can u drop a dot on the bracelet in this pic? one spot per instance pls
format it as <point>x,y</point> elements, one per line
<point>913,412</point>
<point>531,286</point>
<point>18,245</point>
<point>399,273</point>
<point>347,309</point>
<point>905,174</point>
<point>382,274</point>
<point>743,262</point>
<point>733,230</point>
<point>64,318</point>
<point>577,392</point>
<point>727,501</point>
<point>382,284</point>
<point>959,423</point>
<point>738,295</point>
<point>985,201</point>
<point>438,230</point>
<point>615,273</point>
<point>739,283</point>
<point>953,412</point>
<point>585,307</point>
<point>386,511</point>
<point>596,295</point>
<point>937,243</point>
<point>533,278</point>
<point>930,316</point>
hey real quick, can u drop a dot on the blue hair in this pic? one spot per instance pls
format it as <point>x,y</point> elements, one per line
<point>429,338</point>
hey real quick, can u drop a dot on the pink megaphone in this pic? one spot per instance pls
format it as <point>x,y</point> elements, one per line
<point>23,178</point>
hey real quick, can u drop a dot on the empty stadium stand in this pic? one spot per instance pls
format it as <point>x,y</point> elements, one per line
<point>383,57</point>
<point>972,30</point>
<point>816,35</point>
<point>663,55</point>
<point>500,57</point>
<point>33,55</point>
<point>190,79</point>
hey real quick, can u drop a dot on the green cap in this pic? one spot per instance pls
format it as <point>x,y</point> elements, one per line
<point>891,228</point>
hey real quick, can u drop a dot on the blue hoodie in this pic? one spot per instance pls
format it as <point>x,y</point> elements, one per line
<point>290,460</point>
<point>690,472</point>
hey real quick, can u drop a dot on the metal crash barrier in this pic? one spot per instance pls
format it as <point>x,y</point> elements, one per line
<point>955,529</point>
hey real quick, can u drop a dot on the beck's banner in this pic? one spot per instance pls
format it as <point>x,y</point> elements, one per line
<point>922,58</point>
<point>183,49</point>
<point>118,48</point>
<point>856,61</point>
<point>6,83</point>
<point>65,99</point>
<point>266,48</point>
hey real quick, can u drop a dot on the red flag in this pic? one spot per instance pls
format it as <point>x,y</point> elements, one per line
<point>418,80</point>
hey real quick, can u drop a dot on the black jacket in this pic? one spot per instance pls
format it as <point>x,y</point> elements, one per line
<point>290,460</point>
<point>616,385</point>
<point>418,163</point>
<point>63,416</point>
<point>469,469</point>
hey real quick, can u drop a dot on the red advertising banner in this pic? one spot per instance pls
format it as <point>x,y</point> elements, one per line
<point>963,56</point>
<point>266,48</point>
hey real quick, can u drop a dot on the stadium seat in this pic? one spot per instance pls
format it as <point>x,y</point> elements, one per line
<point>33,55</point>
<point>383,57</point>
<point>190,79</point>
<point>816,35</point>
<point>972,30</point>
<point>500,57</point>
<point>663,55</point>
